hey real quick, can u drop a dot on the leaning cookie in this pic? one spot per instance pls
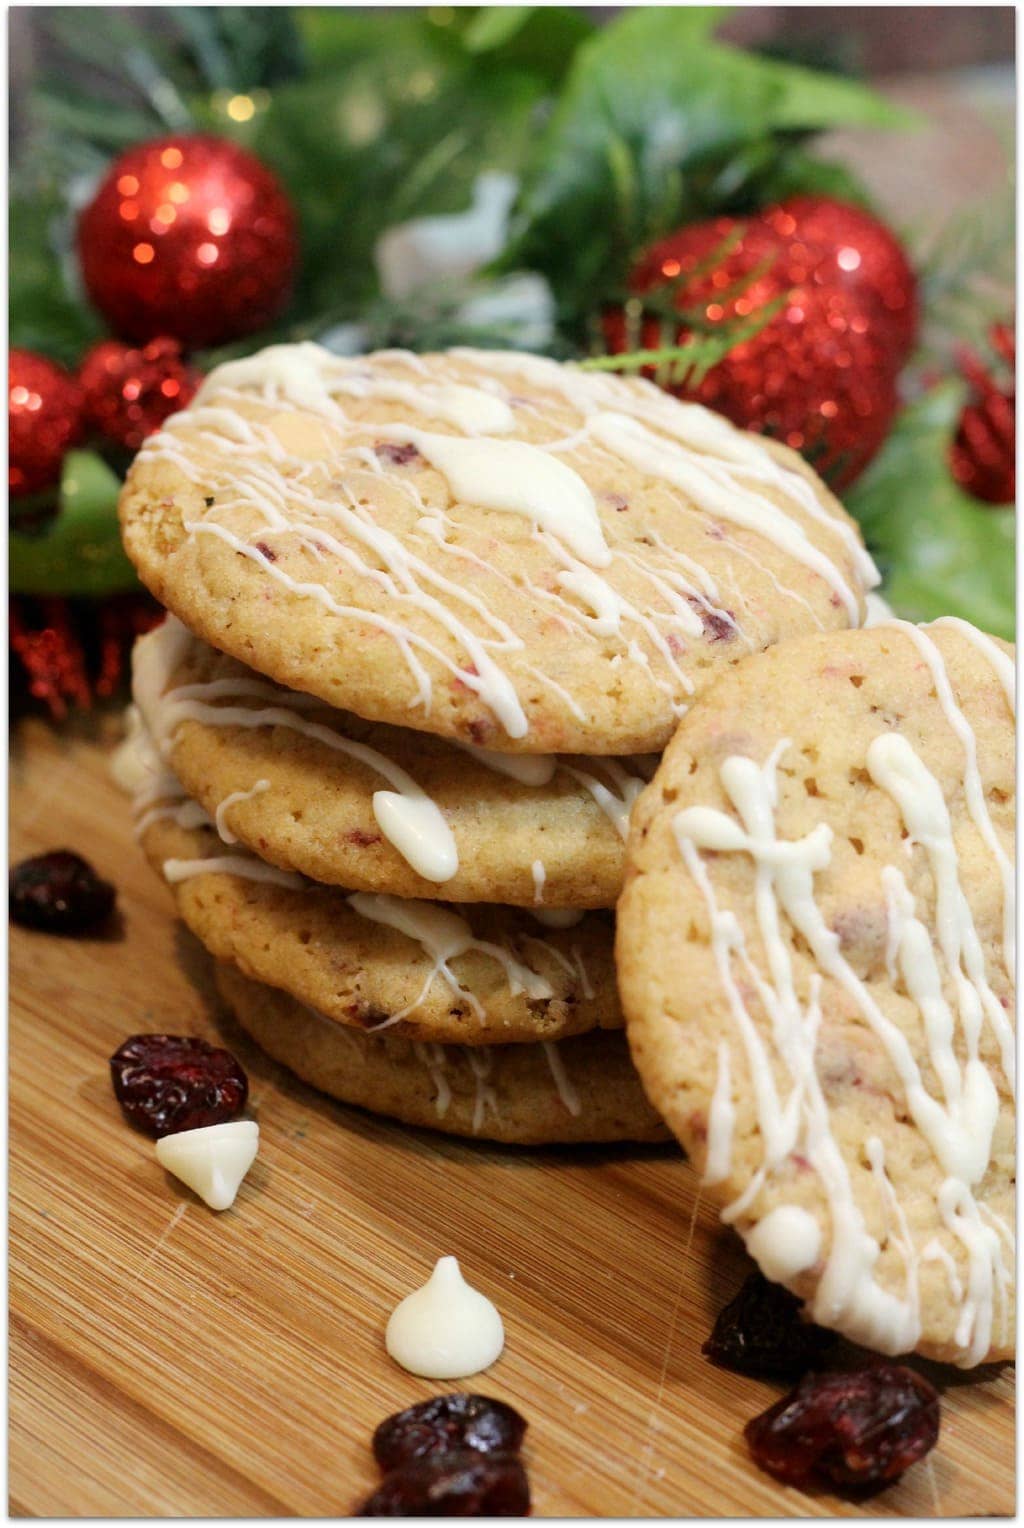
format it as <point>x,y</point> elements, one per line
<point>815,954</point>
<point>568,1091</point>
<point>481,975</point>
<point>376,808</point>
<point>482,545</point>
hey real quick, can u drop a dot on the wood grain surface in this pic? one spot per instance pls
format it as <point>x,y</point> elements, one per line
<point>167,1361</point>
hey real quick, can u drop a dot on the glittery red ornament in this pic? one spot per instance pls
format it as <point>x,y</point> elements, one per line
<point>982,456</point>
<point>66,652</point>
<point>130,392</point>
<point>44,419</point>
<point>188,236</point>
<point>821,374</point>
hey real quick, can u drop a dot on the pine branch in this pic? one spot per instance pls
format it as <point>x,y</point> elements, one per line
<point>687,365</point>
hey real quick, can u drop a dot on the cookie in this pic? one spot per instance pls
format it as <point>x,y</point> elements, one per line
<point>482,545</point>
<point>569,1091</point>
<point>815,955</point>
<point>376,808</point>
<point>480,975</point>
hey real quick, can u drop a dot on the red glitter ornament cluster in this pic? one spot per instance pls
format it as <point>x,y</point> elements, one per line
<point>129,392</point>
<point>69,652</point>
<point>188,236</point>
<point>821,374</point>
<point>44,420</point>
<point>982,456</point>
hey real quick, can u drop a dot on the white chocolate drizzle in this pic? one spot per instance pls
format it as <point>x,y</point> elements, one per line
<point>566,1092</point>
<point>409,819</point>
<point>616,804</point>
<point>433,1058</point>
<point>974,791</point>
<point>651,453</point>
<point>312,475</point>
<point>991,651</point>
<point>220,817</point>
<point>957,1124</point>
<point>246,866</point>
<point>444,936</point>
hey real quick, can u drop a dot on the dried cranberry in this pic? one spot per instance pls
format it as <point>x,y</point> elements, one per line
<point>460,1484</point>
<point>859,1429</point>
<point>59,892</point>
<point>166,1083</point>
<point>760,1332</point>
<point>446,1423</point>
<point>719,625</point>
<point>396,455</point>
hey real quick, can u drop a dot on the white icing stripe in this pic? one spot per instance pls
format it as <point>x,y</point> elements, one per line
<point>896,768</point>
<point>183,813</point>
<point>480,1060</point>
<point>990,651</point>
<point>661,458</point>
<point>616,807</point>
<point>527,768</point>
<point>410,819</point>
<point>958,1127</point>
<point>248,867</point>
<point>220,817</point>
<point>444,936</point>
<point>469,409</point>
<point>300,472</point>
<point>721,1121</point>
<point>539,877</point>
<point>566,1092</point>
<point>974,790</point>
<point>433,1058</point>
<point>481,1063</point>
<point>519,478</point>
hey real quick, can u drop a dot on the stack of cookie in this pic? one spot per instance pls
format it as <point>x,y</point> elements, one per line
<point>433,619</point>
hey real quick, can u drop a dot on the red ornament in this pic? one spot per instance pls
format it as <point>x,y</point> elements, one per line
<point>821,374</point>
<point>44,420</point>
<point>129,393</point>
<point>68,652</point>
<point>188,236</point>
<point>983,452</point>
<point>50,654</point>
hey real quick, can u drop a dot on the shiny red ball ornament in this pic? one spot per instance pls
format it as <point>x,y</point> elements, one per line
<point>821,374</point>
<point>191,237</point>
<point>44,420</point>
<point>129,392</point>
<point>982,456</point>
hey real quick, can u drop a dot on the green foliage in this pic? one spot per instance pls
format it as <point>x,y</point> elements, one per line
<point>658,125</point>
<point>374,118</point>
<point>620,134</point>
<point>80,552</point>
<point>44,312</point>
<point>941,552</point>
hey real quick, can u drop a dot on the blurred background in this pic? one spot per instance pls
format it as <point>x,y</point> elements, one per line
<point>953,63</point>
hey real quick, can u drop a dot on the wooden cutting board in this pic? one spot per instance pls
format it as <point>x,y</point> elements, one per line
<point>167,1361</point>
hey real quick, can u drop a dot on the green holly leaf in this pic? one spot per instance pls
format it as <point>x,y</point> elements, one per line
<point>80,551</point>
<point>940,551</point>
<point>652,114</point>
